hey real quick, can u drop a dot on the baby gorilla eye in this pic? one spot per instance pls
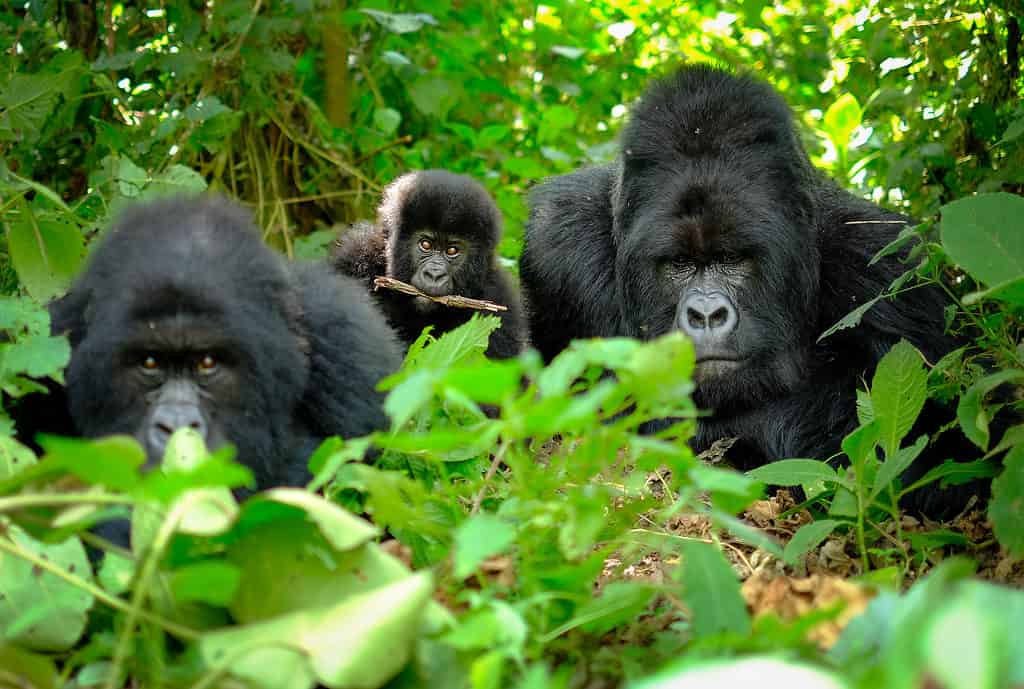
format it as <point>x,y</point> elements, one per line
<point>426,245</point>
<point>207,364</point>
<point>452,251</point>
<point>149,363</point>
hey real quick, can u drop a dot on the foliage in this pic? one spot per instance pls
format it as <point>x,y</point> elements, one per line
<point>522,498</point>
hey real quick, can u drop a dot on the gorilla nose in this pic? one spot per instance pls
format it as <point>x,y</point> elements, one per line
<point>706,315</point>
<point>435,275</point>
<point>169,418</point>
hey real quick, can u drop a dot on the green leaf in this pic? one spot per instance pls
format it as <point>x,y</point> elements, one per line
<point>794,472</point>
<point>984,235</point>
<point>851,319</point>
<point>176,180</point>
<point>205,109</point>
<point>361,641</point>
<point>46,252</point>
<point>212,582</point>
<point>954,473</point>
<point>386,120</point>
<point>1006,509</point>
<point>28,100</point>
<point>841,119</point>
<point>807,537</point>
<point>433,96</point>
<point>971,411</point>
<point>894,465</point>
<point>899,389</point>
<point>400,23</point>
<point>477,539</point>
<point>557,118</point>
<point>860,443</point>
<point>113,461</point>
<point>38,610</point>
<point>711,591</point>
<point>37,355</point>
<point>14,457</point>
<point>620,602</point>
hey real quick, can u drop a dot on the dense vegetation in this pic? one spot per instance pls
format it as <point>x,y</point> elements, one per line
<point>553,545</point>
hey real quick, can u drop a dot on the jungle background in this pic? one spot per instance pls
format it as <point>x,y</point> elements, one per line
<point>549,565</point>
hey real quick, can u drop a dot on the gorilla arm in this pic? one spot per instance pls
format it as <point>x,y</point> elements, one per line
<point>568,263</point>
<point>361,252</point>
<point>351,349</point>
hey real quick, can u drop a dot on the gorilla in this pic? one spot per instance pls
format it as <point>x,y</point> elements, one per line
<point>439,232</point>
<point>713,221</point>
<point>185,318</point>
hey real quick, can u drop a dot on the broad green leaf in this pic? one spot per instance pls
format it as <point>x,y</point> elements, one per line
<point>34,671</point>
<point>984,235</point>
<point>205,109</point>
<point>213,582</point>
<point>46,252</point>
<point>963,647</point>
<point>113,461</point>
<point>807,537</point>
<point>341,528</point>
<point>894,465</point>
<point>620,602</point>
<point>557,118</point>
<point>711,591</point>
<point>971,411</point>
<point>433,96</point>
<point>1006,509</point>
<point>1012,292</point>
<point>568,51</point>
<point>176,180</point>
<point>399,22</point>
<point>14,457</point>
<point>899,389</point>
<point>38,610</point>
<point>37,355</point>
<point>794,472</point>
<point>28,99</point>
<point>841,119</point>
<point>477,539</point>
<point>386,120</point>
<point>361,641</point>
<point>859,444</point>
<point>492,134</point>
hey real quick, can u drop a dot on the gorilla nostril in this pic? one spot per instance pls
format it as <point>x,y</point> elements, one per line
<point>719,318</point>
<point>695,319</point>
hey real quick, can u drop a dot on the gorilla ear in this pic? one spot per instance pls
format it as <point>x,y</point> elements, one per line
<point>71,314</point>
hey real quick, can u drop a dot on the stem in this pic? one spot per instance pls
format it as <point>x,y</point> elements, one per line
<point>499,457</point>
<point>20,502</point>
<point>141,588</point>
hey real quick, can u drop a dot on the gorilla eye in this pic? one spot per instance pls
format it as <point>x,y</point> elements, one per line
<point>426,245</point>
<point>452,251</point>
<point>207,365</point>
<point>149,363</point>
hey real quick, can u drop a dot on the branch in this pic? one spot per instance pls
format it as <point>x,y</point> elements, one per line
<point>453,300</point>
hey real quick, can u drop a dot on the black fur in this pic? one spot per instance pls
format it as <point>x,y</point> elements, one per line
<point>712,180</point>
<point>299,350</point>
<point>456,208</point>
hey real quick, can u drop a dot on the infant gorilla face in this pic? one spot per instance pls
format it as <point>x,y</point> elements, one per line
<point>437,258</point>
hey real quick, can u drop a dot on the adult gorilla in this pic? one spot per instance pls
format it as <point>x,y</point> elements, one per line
<point>713,221</point>
<point>185,318</point>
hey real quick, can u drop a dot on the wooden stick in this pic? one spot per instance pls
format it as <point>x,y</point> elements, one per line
<point>453,300</point>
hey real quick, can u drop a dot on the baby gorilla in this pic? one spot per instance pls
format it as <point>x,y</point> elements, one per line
<point>185,318</point>
<point>437,231</point>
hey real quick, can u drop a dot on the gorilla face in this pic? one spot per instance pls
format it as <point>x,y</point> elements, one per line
<point>715,238</point>
<point>178,338</point>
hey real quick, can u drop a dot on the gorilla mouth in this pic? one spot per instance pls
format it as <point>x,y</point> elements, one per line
<point>714,366</point>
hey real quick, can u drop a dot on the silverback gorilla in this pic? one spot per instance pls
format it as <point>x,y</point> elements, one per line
<point>714,222</point>
<point>184,317</point>
<point>439,232</point>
